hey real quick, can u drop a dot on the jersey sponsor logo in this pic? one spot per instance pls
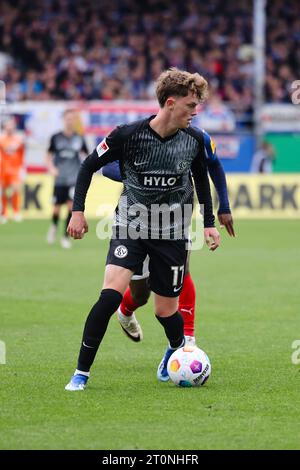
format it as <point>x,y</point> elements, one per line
<point>102,148</point>
<point>121,252</point>
<point>11,149</point>
<point>72,145</point>
<point>67,153</point>
<point>155,181</point>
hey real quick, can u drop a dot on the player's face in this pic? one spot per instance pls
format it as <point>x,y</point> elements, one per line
<point>69,121</point>
<point>10,126</point>
<point>184,109</point>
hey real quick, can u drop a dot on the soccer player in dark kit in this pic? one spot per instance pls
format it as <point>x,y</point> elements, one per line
<point>64,157</point>
<point>138,292</point>
<point>157,156</point>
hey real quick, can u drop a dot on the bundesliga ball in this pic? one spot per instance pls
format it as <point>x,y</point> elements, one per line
<point>189,367</point>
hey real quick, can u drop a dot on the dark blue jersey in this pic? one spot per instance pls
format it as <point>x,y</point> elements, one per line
<point>216,173</point>
<point>112,171</point>
<point>215,168</point>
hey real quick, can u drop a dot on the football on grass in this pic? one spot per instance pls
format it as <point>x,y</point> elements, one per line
<point>189,367</point>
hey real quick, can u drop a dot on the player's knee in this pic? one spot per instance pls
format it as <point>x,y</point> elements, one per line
<point>166,307</point>
<point>140,291</point>
<point>110,299</point>
<point>141,298</point>
<point>164,312</point>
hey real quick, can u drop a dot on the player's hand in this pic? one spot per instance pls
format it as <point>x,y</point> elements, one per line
<point>77,226</point>
<point>54,171</point>
<point>226,221</point>
<point>22,174</point>
<point>212,238</point>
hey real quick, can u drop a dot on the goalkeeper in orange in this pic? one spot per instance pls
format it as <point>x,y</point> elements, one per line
<point>11,169</point>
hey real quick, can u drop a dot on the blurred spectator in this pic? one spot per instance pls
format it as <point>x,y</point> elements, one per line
<point>215,116</point>
<point>115,49</point>
<point>263,159</point>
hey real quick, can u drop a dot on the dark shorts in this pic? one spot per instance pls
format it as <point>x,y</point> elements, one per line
<point>166,264</point>
<point>63,194</point>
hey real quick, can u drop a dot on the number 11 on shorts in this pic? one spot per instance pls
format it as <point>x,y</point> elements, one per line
<point>178,272</point>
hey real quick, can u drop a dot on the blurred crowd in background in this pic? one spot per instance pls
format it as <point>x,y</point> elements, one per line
<point>115,49</point>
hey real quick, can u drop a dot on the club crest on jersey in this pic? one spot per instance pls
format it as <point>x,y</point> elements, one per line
<point>182,166</point>
<point>102,148</point>
<point>121,252</point>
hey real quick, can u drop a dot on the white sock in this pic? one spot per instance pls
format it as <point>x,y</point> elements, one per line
<point>81,372</point>
<point>187,337</point>
<point>125,317</point>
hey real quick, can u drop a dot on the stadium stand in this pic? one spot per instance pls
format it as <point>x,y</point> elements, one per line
<point>113,49</point>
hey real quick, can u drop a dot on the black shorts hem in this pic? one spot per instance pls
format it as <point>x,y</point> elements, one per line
<point>164,294</point>
<point>62,194</point>
<point>115,263</point>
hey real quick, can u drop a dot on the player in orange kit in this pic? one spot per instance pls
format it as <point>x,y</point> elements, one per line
<point>11,166</point>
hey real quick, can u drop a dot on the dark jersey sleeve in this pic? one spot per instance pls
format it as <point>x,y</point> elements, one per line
<point>51,147</point>
<point>201,180</point>
<point>109,150</point>
<point>200,176</point>
<point>112,171</point>
<point>84,148</point>
<point>218,177</point>
<point>216,173</point>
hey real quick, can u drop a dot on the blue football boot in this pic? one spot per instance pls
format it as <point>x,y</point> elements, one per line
<point>162,371</point>
<point>77,382</point>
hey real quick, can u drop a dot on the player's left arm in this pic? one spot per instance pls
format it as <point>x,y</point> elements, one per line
<point>218,177</point>
<point>84,151</point>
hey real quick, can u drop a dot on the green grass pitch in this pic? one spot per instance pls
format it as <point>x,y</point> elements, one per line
<point>248,308</point>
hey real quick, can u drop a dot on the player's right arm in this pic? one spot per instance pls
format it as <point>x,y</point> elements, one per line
<point>109,150</point>
<point>49,158</point>
<point>50,165</point>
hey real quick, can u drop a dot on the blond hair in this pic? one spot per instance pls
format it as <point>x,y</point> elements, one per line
<point>175,82</point>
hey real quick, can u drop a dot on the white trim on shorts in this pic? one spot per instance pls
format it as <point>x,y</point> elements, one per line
<point>145,272</point>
